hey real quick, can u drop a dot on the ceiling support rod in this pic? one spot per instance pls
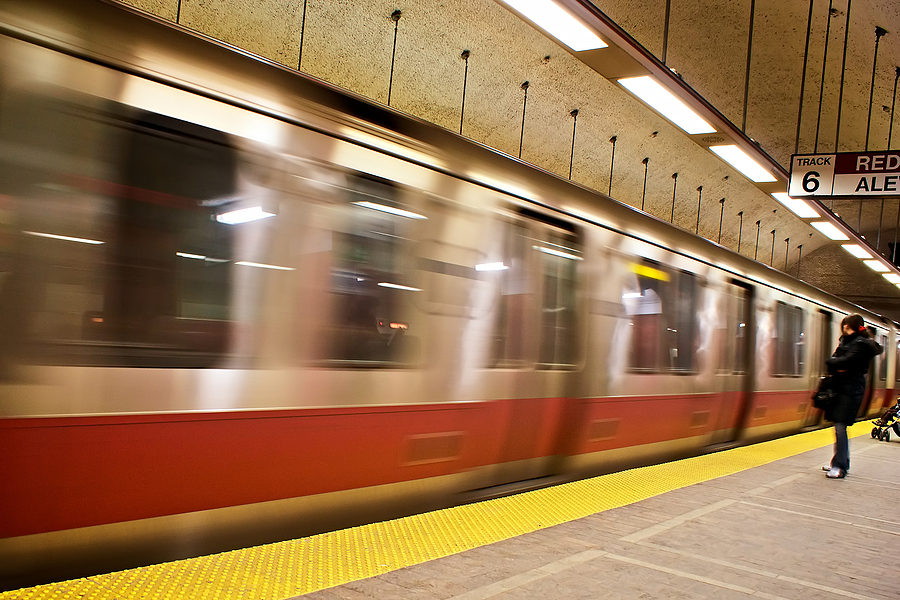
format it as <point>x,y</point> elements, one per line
<point>803,79</point>
<point>837,133</point>
<point>824,65</point>
<point>747,73</point>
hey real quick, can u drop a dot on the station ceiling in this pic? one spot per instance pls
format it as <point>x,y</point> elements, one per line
<point>350,43</point>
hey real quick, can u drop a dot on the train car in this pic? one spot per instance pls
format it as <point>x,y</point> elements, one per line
<point>240,305</point>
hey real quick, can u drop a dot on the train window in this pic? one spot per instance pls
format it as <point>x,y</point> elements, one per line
<point>734,331</point>
<point>120,261</point>
<point>790,341</point>
<point>560,253</point>
<point>896,360</point>
<point>882,339</point>
<point>508,346</point>
<point>372,297</point>
<point>662,306</point>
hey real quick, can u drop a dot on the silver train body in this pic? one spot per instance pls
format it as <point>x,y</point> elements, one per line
<point>240,305</point>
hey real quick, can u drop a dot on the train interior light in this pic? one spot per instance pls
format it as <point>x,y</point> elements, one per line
<point>559,253</point>
<point>397,286</point>
<point>556,21</point>
<point>857,251</point>
<point>247,263</point>
<point>799,207</point>
<point>877,265</point>
<point>391,210</point>
<point>244,215</point>
<point>64,238</point>
<point>830,231</point>
<point>493,266</point>
<point>741,161</point>
<point>667,104</point>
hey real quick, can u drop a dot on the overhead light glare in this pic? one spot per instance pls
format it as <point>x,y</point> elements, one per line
<point>892,277</point>
<point>631,295</point>
<point>666,103</point>
<point>244,215</point>
<point>551,17</point>
<point>189,255</point>
<point>64,238</point>
<point>876,265</point>
<point>494,266</point>
<point>390,210</point>
<point>857,250</point>
<point>741,161</point>
<point>829,230</point>
<point>397,286</point>
<point>558,253</point>
<point>799,207</point>
<point>247,263</point>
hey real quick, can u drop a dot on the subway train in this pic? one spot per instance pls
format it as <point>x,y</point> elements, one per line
<point>238,305</point>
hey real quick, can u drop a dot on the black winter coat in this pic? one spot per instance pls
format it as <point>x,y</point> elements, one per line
<point>849,366</point>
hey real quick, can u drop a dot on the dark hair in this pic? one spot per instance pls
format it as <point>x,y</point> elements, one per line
<point>854,322</point>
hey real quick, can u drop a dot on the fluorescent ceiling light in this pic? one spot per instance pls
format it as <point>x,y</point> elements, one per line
<point>892,277</point>
<point>494,266</point>
<point>390,210</point>
<point>550,17</point>
<point>247,263</point>
<point>553,252</point>
<point>189,255</point>
<point>857,250</point>
<point>739,159</point>
<point>631,295</point>
<point>244,215</point>
<point>829,230</point>
<point>799,207</point>
<point>876,265</point>
<point>665,103</point>
<point>64,238</point>
<point>397,286</point>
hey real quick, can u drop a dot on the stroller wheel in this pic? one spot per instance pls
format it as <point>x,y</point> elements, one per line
<point>874,432</point>
<point>896,427</point>
<point>880,435</point>
<point>887,435</point>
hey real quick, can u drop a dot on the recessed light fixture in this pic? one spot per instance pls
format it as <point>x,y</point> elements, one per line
<point>666,103</point>
<point>857,251</point>
<point>876,265</point>
<point>829,230</point>
<point>892,277</point>
<point>244,215</point>
<point>799,207</point>
<point>389,209</point>
<point>741,161</point>
<point>556,21</point>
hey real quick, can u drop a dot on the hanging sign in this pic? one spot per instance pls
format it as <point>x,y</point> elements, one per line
<point>845,174</point>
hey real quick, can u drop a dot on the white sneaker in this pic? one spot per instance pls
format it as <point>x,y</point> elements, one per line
<point>835,473</point>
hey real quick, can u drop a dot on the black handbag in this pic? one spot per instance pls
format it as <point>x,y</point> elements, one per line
<point>825,393</point>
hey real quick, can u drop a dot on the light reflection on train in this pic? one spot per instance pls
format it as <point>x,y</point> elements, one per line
<point>203,333</point>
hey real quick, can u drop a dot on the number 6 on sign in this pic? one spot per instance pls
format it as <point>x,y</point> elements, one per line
<point>811,175</point>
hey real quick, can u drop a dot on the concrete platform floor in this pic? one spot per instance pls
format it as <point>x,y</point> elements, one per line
<point>781,530</point>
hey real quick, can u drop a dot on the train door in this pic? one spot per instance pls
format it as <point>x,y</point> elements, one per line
<point>552,250</point>
<point>736,366</point>
<point>823,347</point>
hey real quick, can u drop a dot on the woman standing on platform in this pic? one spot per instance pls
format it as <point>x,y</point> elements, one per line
<point>848,366</point>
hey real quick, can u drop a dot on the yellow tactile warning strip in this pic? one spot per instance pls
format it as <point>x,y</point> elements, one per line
<point>285,569</point>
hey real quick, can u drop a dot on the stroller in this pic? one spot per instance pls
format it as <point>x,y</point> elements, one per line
<point>887,421</point>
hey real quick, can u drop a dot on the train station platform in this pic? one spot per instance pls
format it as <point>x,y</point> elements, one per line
<point>759,521</point>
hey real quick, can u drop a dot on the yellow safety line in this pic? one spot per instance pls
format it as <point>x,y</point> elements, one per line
<point>285,569</point>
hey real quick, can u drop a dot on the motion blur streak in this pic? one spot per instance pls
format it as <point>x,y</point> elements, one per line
<point>160,398</point>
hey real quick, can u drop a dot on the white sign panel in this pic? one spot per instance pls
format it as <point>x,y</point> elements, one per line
<point>845,174</point>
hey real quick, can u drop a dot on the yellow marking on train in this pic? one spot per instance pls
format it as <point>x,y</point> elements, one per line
<point>285,569</point>
<point>649,272</point>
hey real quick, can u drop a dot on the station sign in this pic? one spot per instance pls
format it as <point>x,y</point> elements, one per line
<point>845,174</point>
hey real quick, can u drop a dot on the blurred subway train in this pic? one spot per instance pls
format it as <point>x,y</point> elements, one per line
<point>240,305</point>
